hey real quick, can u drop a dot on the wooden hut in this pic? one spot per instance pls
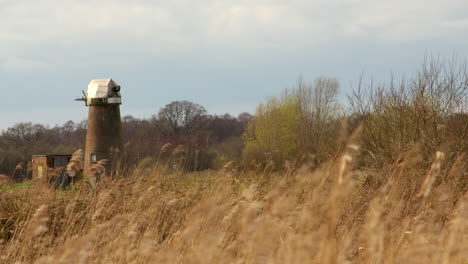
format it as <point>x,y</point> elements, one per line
<point>42,164</point>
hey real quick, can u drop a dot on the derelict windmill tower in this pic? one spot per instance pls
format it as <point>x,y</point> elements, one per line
<point>104,133</point>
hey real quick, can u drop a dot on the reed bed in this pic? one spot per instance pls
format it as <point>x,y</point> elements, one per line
<point>406,212</point>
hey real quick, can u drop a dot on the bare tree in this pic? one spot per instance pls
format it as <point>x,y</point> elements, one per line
<point>429,109</point>
<point>318,108</point>
<point>182,116</point>
<point>245,118</point>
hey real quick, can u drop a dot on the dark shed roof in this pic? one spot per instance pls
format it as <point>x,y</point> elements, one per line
<point>52,155</point>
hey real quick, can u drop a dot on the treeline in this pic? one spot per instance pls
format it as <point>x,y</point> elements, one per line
<point>20,142</point>
<point>186,136</point>
<point>202,140</point>
<point>425,114</point>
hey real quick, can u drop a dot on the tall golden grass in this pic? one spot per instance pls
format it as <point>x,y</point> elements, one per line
<point>404,212</point>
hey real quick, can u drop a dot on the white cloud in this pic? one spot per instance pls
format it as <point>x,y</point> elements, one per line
<point>402,20</point>
<point>166,28</point>
<point>243,49</point>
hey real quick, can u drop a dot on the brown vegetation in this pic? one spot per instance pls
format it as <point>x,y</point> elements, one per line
<point>402,213</point>
<point>384,181</point>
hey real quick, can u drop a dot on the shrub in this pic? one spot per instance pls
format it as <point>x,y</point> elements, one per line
<point>422,110</point>
<point>273,131</point>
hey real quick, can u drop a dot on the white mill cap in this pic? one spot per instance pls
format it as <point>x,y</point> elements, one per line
<point>105,89</point>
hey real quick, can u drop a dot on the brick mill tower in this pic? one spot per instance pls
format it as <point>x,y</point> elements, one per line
<point>104,135</point>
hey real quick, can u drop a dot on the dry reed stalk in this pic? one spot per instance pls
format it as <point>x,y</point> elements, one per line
<point>165,148</point>
<point>305,217</point>
<point>37,226</point>
<point>229,165</point>
<point>31,239</point>
<point>349,155</point>
<point>19,166</point>
<point>179,149</point>
<point>374,235</point>
<point>76,163</point>
<point>96,171</point>
<point>455,249</point>
<point>4,179</point>
<point>432,175</point>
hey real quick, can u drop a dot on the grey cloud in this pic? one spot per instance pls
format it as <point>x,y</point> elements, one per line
<point>243,50</point>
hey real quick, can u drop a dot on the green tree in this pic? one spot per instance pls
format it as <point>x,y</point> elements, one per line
<point>273,133</point>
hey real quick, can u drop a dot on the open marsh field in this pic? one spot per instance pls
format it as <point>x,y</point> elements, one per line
<point>405,212</point>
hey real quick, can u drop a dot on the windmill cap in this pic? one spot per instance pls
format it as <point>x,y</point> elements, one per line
<point>103,88</point>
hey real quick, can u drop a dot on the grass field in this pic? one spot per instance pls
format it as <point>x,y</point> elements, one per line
<point>406,212</point>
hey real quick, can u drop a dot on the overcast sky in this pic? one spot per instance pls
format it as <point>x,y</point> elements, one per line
<point>225,55</point>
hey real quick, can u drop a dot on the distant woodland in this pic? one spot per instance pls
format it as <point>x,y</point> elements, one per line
<point>201,134</point>
<point>306,123</point>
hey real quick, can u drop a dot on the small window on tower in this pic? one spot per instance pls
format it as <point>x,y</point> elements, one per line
<point>93,157</point>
